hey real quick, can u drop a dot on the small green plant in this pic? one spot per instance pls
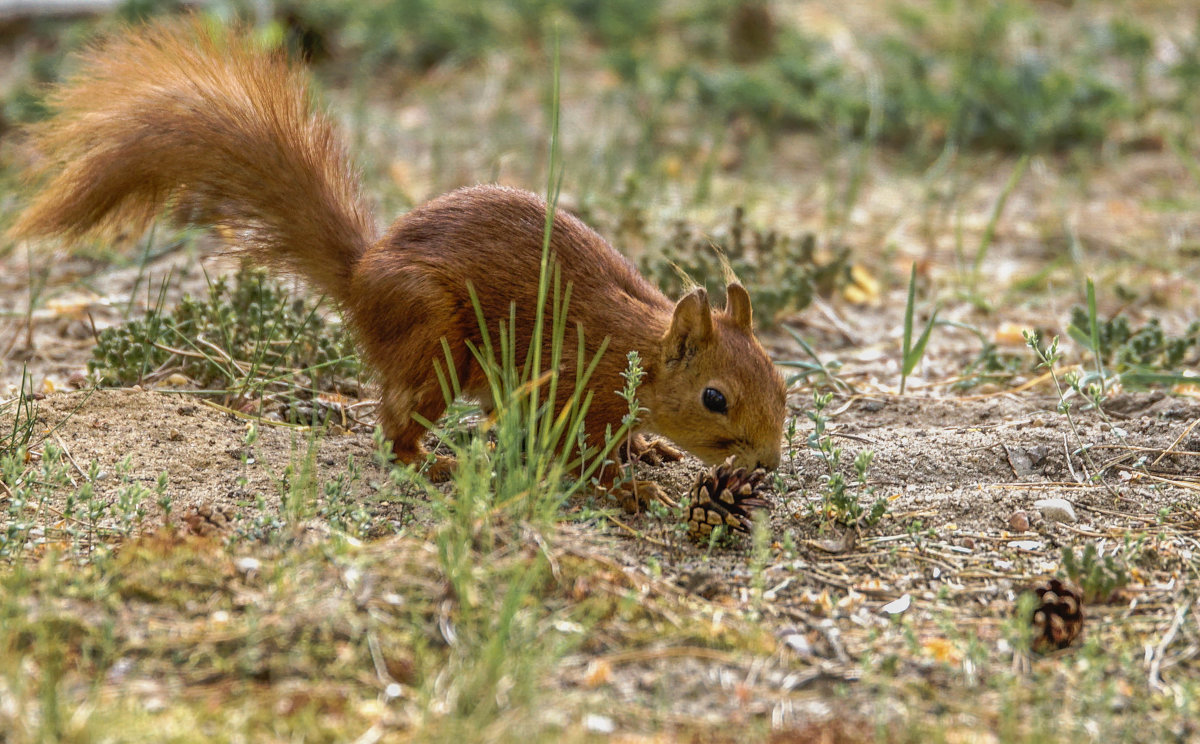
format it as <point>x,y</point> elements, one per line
<point>242,337</point>
<point>299,484</point>
<point>911,353</point>
<point>94,517</point>
<point>1138,356</point>
<point>129,504</point>
<point>840,498</point>
<point>721,537</point>
<point>991,364</point>
<point>30,483</point>
<point>674,521</point>
<point>1017,628</point>
<point>826,373</point>
<point>633,374</point>
<point>1100,577</point>
<point>164,500</point>
<point>341,509</point>
<point>1048,357</point>
<point>789,434</point>
<point>400,487</point>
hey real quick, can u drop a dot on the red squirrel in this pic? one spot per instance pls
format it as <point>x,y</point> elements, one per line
<point>181,114</point>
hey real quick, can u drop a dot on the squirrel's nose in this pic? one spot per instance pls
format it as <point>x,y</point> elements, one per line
<point>770,463</point>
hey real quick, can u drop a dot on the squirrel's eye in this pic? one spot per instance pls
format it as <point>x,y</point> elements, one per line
<point>714,400</point>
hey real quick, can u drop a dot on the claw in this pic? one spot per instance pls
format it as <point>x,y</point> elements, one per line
<point>652,452</point>
<point>635,496</point>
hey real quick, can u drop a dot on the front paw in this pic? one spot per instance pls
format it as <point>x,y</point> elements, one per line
<point>653,451</point>
<point>635,496</point>
<point>441,469</point>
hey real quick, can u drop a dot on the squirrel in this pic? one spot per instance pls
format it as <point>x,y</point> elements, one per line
<point>200,119</point>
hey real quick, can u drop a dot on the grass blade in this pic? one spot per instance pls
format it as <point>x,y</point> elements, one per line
<point>989,232</point>
<point>911,353</point>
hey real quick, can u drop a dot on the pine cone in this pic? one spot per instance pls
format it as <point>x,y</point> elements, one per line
<point>725,495</point>
<point>207,520</point>
<point>1059,618</point>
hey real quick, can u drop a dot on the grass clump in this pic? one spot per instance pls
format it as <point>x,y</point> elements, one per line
<point>1101,577</point>
<point>22,408</point>
<point>783,273</point>
<point>953,74</point>
<point>419,35</point>
<point>96,509</point>
<point>961,76</point>
<point>244,336</point>
<point>1141,355</point>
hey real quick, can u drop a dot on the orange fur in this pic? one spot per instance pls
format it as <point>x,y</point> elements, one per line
<point>224,130</point>
<point>180,115</point>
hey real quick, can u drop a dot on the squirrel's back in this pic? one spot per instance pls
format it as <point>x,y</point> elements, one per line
<point>492,236</point>
<point>185,115</point>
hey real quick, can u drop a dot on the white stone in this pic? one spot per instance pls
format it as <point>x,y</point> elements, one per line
<point>598,724</point>
<point>247,565</point>
<point>1030,545</point>
<point>897,606</point>
<point>1056,510</point>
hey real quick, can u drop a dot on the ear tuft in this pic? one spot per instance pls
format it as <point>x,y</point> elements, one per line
<point>737,306</point>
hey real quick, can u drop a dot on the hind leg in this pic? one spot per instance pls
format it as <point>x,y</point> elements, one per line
<point>402,410</point>
<point>400,322</point>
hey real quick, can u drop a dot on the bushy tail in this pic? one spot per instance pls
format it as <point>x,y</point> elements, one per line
<point>224,132</point>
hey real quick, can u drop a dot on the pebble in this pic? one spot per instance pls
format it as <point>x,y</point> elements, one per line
<point>1037,455</point>
<point>1056,510</point>
<point>798,643</point>
<point>898,606</point>
<point>1030,545</point>
<point>247,564</point>
<point>1019,521</point>
<point>598,724</point>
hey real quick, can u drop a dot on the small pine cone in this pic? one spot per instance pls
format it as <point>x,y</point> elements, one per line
<point>207,520</point>
<point>1058,619</point>
<point>726,495</point>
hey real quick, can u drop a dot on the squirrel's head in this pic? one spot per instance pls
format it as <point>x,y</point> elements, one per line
<point>716,392</point>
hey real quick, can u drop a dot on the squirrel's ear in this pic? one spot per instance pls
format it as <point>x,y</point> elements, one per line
<point>691,326</point>
<point>737,306</point>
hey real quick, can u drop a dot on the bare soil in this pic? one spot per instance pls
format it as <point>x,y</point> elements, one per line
<point>969,461</point>
<point>956,472</point>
